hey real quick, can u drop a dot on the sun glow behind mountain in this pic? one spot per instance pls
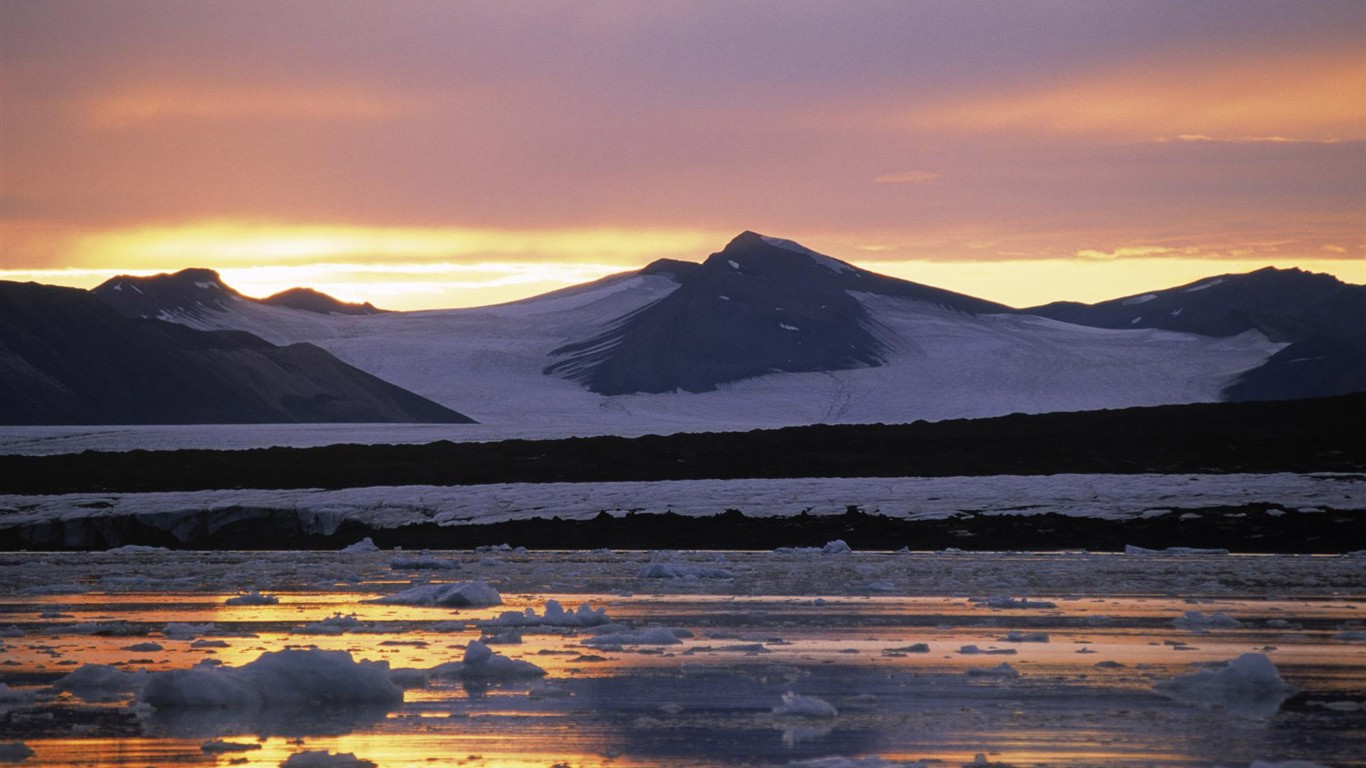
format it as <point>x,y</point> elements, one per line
<point>467,155</point>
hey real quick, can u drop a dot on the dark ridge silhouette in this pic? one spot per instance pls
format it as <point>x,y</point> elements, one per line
<point>67,357</point>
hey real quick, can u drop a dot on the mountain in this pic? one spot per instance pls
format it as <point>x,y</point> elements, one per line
<point>1322,319</point>
<point>760,306</point>
<point>310,300</point>
<point>194,292</point>
<point>66,357</point>
<point>763,333</point>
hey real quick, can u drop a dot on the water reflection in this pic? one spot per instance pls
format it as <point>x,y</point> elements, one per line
<point>892,663</point>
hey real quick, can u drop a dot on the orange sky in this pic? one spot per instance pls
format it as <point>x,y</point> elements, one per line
<point>424,154</point>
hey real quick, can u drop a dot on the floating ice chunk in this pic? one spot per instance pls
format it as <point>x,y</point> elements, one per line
<point>555,616</point>
<point>682,571</point>
<point>912,648</point>
<point>1350,636</point>
<point>325,759</point>
<point>14,751</point>
<point>100,682</point>
<point>481,663</point>
<point>12,631</point>
<point>1249,685</point>
<point>217,746</point>
<point>293,677</point>
<point>1285,764</point>
<point>181,631</point>
<point>253,598</point>
<point>133,549</point>
<point>1000,670</point>
<point>336,624</point>
<point>1014,636</point>
<point>651,636</point>
<point>10,696</point>
<point>972,650</point>
<point>364,545</point>
<point>798,705</point>
<point>1198,620</point>
<point>472,594</point>
<point>1130,549</point>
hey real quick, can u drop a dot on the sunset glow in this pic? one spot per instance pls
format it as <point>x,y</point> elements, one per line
<point>457,156</point>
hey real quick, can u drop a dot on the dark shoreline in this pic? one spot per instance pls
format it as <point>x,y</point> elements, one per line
<point>1318,435</point>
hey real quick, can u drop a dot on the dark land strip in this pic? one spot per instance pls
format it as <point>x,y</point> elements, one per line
<point>1317,435</point>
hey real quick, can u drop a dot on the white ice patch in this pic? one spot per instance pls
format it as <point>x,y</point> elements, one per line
<point>481,663</point>
<point>1135,300</point>
<point>98,682</point>
<point>1198,620</point>
<point>473,594</point>
<point>1249,685</point>
<point>555,616</point>
<point>290,677</point>
<point>787,327</point>
<point>1203,285</point>
<point>797,705</point>
<point>1130,549</point>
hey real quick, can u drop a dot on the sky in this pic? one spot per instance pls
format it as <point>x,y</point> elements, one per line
<point>439,154</point>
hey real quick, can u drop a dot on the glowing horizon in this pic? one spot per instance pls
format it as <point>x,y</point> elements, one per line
<point>461,156</point>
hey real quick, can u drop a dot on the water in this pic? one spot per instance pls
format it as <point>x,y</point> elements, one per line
<point>841,628</point>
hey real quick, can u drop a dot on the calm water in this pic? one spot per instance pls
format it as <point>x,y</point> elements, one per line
<point>841,628</point>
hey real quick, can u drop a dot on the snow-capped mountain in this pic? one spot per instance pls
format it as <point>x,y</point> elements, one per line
<point>763,333</point>
<point>66,357</point>
<point>1320,318</point>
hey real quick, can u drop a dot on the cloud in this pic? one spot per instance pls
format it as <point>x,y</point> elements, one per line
<point>213,103</point>
<point>906,177</point>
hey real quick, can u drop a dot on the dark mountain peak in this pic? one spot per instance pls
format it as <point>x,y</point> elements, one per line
<point>310,300</point>
<point>672,268</point>
<point>1286,305</point>
<point>761,305</point>
<point>189,291</point>
<point>763,256</point>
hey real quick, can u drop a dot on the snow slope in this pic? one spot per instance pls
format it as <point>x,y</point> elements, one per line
<point>938,362</point>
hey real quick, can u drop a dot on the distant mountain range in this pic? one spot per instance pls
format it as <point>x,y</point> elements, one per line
<point>66,357</point>
<point>767,332</point>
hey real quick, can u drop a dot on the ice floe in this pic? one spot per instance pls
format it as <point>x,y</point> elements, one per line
<point>1249,685</point>
<point>253,598</point>
<point>797,705</point>
<point>325,759</point>
<point>14,751</point>
<point>554,616</point>
<point>471,594</point>
<point>292,677</point>
<point>482,663</point>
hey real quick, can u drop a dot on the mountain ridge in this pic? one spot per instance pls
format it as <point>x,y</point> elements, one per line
<point>66,357</point>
